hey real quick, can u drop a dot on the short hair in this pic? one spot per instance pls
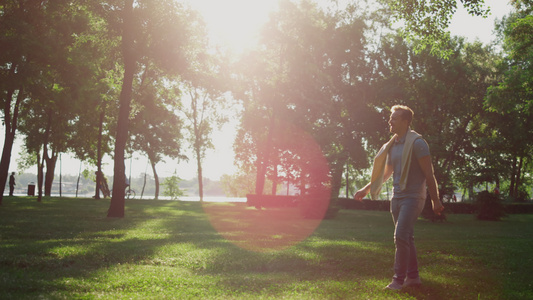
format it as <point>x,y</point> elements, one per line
<point>405,112</point>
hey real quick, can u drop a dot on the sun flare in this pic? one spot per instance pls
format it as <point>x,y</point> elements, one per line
<point>234,23</point>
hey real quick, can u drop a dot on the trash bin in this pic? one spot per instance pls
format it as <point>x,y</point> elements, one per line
<point>31,189</point>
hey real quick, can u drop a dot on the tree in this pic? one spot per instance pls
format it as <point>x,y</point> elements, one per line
<point>15,66</point>
<point>97,49</point>
<point>204,113</point>
<point>36,67</point>
<point>205,100</point>
<point>116,208</point>
<point>511,100</point>
<point>156,129</point>
<point>313,70</point>
<point>238,185</point>
<point>446,96</point>
<point>153,34</point>
<point>172,188</point>
<point>428,20</point>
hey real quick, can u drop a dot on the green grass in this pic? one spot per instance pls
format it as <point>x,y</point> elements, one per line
<point>68,249</point>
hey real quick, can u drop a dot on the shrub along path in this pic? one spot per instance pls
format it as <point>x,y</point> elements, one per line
<point>67,249</point>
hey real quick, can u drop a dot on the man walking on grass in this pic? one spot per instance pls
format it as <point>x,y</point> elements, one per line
<point>406,157</point>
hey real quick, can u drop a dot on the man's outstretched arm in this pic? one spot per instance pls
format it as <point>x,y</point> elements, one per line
<point>364,191</point>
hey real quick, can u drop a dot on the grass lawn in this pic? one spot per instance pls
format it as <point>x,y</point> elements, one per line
<point>68,249</point>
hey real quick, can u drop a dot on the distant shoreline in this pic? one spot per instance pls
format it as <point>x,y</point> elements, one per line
<point>164,198</point>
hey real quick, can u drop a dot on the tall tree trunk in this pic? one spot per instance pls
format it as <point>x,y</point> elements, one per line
<point>275,180</point>
<point>78,181</point>
<point>4,164</point>
<point>51,163</point>
<point>40,177</point>
<point>116,208</point>
<point>10,124</point>
<point>40,172</point>
<point>200,174</point>
<point>513,178</point>
<point>144,184</point>
<point>347,183</point>
<point>517,180</point>
<point>260,176</point>
<point>41,162</point>
<point>197,128</point>
<point>263,158</point>
<point>336,178</point>
<point>99,155</point>
<point>156,180</point>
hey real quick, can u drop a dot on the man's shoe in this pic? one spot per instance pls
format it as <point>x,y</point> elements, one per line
<point>394,286</point>
<point>412,282</point>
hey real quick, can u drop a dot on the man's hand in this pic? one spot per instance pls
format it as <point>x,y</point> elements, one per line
<point>359,196</point>
<point>362,193</point>
<point>437,207</point>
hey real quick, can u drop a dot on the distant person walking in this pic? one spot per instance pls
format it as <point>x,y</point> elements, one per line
<point>12,183</point>
<point>100,178</point>
<point>406,157</point>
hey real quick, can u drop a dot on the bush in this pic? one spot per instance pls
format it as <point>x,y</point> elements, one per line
<point>489,206</point>
<point>172,189</point>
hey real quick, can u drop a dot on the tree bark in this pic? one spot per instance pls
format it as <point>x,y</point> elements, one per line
<point>156,180</point>
<point>144,184</point>
<point>336,179</point>
<point>51,162</point>
<point>518,179</point>
<point>116,208</point>
<point>275,180</point>
<point>10,123</point>
<point>513,178</point>
<point>99,156</point>
<point>200,174</point>
<point>264,158</point>
<point>41,161</point>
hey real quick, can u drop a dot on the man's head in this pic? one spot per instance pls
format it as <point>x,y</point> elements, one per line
<point>400,119</point>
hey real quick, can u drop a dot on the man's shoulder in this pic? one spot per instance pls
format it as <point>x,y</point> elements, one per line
<point>420,141</point>
<point>420,147</point>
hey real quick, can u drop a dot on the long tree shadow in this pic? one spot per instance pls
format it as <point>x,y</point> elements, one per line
<point>47,250</point>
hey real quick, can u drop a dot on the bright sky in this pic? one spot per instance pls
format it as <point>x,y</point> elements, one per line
<point>235,23</point>
<point>474,28</point>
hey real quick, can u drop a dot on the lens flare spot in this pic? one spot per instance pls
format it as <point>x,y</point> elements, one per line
<point>269,222</point>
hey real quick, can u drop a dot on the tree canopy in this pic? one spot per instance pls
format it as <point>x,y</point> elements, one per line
<point>97,78</point>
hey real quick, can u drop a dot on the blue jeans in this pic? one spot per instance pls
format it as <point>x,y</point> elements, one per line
<point>405,212</point>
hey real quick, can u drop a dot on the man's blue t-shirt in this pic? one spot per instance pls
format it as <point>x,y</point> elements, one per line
<point>416,181</point>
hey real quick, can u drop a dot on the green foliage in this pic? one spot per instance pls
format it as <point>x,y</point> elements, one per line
<point>172,188</point>
<point>489,206</point>
<point>25,161</point>
<point>238,185</point>
<point>317,69</point>
<point>455,88</point>
<point>510,102</point>
<point>88,174</point>
<point>427,21</point>
<point>314,78</point>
